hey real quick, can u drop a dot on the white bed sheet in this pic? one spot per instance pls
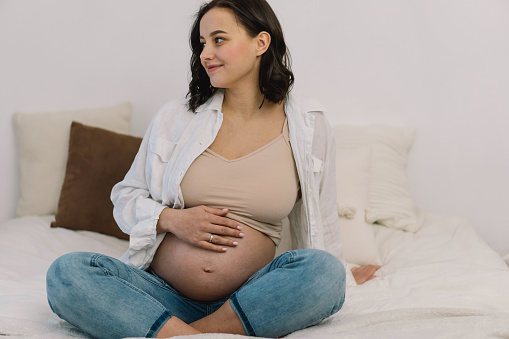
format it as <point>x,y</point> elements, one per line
<point>442,282</point>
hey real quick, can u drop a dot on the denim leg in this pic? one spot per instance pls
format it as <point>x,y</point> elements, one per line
<point>109,299</point>
<point>296,290</point>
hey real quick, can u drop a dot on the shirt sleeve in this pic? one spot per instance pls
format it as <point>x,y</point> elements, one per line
<point>328,204</point>
<point>134,209</point>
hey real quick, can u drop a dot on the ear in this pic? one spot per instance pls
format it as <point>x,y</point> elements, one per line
<point>262,42</point>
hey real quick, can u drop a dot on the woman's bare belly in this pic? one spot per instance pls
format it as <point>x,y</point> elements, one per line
<point>205,275</point>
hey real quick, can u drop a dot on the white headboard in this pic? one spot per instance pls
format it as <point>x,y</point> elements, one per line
<point>439,66</point>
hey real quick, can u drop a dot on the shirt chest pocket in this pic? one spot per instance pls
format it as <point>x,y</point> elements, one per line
<point>159,153</point>
<point>161,148</point>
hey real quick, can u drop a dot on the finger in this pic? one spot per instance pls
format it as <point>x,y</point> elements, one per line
<point>222,221</point>
<point>216,211</point>
<point>370,269</point>
<point>371,278</point>
<point>212,247</point>
<point>217,240</point>
<point>226,231</point>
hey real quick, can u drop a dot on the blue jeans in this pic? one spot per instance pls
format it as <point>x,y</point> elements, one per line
<point>108,299</point>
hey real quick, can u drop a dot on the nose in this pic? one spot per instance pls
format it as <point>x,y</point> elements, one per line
<point>206,53</point>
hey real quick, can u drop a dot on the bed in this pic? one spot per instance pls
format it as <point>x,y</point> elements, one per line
<point>438,279</point>
<point>441,282</point>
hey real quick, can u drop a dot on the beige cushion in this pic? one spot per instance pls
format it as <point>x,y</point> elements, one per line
<point>352,183</point>
<point>390,202</point>
<point>43,141</point>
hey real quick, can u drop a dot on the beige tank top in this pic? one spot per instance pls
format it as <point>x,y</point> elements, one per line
<point>259,189</point>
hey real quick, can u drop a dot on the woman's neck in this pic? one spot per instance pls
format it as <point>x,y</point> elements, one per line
<point>244,103</point>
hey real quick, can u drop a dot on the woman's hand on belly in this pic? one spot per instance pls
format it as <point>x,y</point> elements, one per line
<point>196,225</point>
<point>203,275</point>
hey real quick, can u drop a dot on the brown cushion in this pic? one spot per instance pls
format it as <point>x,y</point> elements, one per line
<point>97,160</point>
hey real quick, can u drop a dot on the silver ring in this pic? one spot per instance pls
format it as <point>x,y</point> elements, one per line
<point>211,237</point>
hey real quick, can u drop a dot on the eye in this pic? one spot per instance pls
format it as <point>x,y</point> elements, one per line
<point>202,44</point>
<point>218,40</point>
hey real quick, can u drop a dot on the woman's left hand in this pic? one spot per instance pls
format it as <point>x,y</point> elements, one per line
<point>364,273</point>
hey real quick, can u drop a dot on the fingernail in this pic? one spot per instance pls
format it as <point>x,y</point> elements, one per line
<point>241,234</point>
<point>225,209</point>
<point>239,228</point>
<point>235,243</point>
<point>224,249</point>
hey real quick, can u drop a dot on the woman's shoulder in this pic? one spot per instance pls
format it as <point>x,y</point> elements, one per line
<point>306,107</point>
<point>175,108</point>
<point>305,104</point>
<point>171,119</point>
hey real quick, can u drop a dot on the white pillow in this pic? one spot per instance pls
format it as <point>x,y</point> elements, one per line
<point>43,143</point>
<point>352,183</point>
<point>390,202</point>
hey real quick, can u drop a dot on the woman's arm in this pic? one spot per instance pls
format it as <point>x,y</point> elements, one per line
<point>144,217</point>
<point>134,209</point>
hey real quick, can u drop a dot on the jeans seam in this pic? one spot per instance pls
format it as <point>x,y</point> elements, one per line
<point>158,324</point>
<point>292,253</point>
<point>157,283</point>
<point>234,302</point>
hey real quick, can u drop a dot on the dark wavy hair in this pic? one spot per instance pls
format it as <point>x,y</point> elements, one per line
<point>275,78</point>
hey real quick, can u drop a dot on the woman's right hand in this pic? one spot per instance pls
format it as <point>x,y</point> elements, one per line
<point>195,226</point>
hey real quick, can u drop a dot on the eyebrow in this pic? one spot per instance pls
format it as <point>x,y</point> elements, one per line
<point>216,32</point>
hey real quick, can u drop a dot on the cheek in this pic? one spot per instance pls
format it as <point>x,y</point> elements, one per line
<point>237,52</point>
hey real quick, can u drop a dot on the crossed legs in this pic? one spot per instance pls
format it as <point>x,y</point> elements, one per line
<point>103,297</point>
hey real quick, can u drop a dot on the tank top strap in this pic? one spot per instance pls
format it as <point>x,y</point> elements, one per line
<point>286,131</point>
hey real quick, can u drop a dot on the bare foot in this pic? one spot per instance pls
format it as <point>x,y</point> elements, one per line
<point>174,326</point>
<point>364,273</point>
<point>224,320</point>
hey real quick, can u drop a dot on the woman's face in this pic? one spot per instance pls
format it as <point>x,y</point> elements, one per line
<point>230,55</point>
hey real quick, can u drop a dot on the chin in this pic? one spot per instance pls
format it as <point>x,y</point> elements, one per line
<point>217,84</point>
<point>220,82</point>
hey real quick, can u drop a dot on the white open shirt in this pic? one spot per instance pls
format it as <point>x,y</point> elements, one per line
<point>176,136</point>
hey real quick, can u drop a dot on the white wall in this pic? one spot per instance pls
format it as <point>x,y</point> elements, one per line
<point>438,65</point>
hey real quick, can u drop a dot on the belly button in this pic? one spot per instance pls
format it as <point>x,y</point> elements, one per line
<point>208,270</point>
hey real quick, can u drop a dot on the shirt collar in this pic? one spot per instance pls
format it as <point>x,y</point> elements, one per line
<point>215,102</point>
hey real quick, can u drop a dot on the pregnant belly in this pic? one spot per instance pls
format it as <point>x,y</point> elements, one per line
<point>204,275</point>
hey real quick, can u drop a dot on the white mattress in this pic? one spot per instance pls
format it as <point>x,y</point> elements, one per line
<point>442,282</point>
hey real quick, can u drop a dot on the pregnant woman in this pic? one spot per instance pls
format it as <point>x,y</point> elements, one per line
<point>205,198</point>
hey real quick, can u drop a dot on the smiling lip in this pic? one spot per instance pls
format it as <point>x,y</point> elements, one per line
<point>212,68</point>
